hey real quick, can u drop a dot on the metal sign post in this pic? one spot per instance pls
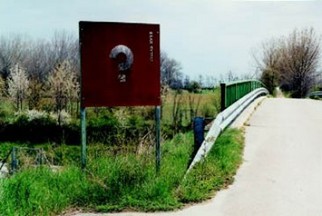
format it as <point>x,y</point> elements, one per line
<point>83,137</point>
<point>120,66</point>
<point>157,144</point>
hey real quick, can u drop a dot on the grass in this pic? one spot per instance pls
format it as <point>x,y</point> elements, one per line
<point>216,171</point>
<point>205,104</point>
<point>113,182</point>
<point>124,178</point>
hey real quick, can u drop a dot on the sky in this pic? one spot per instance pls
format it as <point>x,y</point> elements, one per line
<point>207,37</point>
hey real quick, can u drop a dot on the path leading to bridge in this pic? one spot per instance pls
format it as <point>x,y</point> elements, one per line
<point>282,170</point>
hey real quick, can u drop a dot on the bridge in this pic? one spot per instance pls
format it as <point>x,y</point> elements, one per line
<point>282,169</point>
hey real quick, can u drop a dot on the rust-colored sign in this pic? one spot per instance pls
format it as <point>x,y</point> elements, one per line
<point>120,64</point>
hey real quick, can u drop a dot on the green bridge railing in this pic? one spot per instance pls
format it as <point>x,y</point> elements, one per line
<point>233,91</point>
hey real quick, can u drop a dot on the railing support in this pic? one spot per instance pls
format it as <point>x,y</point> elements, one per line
<point>14,160</point>
<point>232,92</point>
<point>223,96</point>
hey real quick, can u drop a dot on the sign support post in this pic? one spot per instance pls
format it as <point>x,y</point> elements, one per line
<point>83,137</point>
<point>120,66</point>
<point>157,145</point>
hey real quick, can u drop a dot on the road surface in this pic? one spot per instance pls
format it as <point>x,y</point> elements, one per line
<point>282,170</point>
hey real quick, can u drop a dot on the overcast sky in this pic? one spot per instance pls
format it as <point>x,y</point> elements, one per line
<point>206,36</point>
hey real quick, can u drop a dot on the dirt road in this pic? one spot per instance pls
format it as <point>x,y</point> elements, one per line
<point>282,170</point>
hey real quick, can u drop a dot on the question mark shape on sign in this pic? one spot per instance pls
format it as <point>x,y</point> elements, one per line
<point>124,59</point>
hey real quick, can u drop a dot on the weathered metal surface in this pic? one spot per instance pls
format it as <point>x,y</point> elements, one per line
<point>3,170</point>
<point>120,64</point>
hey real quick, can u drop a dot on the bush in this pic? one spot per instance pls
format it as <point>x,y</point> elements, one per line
<point>37,127</point>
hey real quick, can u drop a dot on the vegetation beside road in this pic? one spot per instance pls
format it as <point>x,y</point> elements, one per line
<point>121,165</point>
<point>125,181</point>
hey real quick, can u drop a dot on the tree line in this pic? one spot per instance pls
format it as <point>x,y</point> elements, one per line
<point>40,74</point>
<point>45,74</point>
<point>291,62</point>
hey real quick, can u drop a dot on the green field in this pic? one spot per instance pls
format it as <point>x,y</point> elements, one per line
<point>121,164</point>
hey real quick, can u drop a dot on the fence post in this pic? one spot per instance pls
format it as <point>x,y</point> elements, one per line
<point>198,131</point>
<point>223,96</point>
<point>13,160</point>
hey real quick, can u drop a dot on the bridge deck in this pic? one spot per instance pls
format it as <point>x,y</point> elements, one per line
<point>282,172</point>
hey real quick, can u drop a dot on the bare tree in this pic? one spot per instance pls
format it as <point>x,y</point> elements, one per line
<point>63,87</point>
<point>291,62</point>
<point>269,63</point>
<point>64,47</point>
<point>12,50</point>
<point>18,85</point>
<point>39,61</point>
<point>2,86</point>
<point>171,74</point>
<point>300,58</point>
<point>38,65</point>
<point>210,82</point>
<point>201,80</point>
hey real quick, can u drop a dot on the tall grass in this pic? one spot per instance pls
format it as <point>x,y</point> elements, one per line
<point>115,182</point>
<point>41,191</point>
<point>216,171</point>
<point>208,105</point>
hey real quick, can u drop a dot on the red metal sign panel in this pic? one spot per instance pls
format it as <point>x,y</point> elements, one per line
<point>120,64</point>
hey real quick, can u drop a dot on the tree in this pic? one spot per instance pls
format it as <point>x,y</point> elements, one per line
<point>39,61</point>
<point>270,64</point>
<point>64,47</point>
<point>300,58</point>
<point>36,92</point>
<point>171,74</point>
<point>12,50</point>
<point>210,82</point>
<point>18,84</point>
<point>291,62</point>
<point>2,86</point>
<point>63,87</point>
<point>186,82</point>
<point>194,87</point>
<point>201,81</point>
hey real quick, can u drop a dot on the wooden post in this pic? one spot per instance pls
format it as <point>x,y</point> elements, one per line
<point>223,96</point>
